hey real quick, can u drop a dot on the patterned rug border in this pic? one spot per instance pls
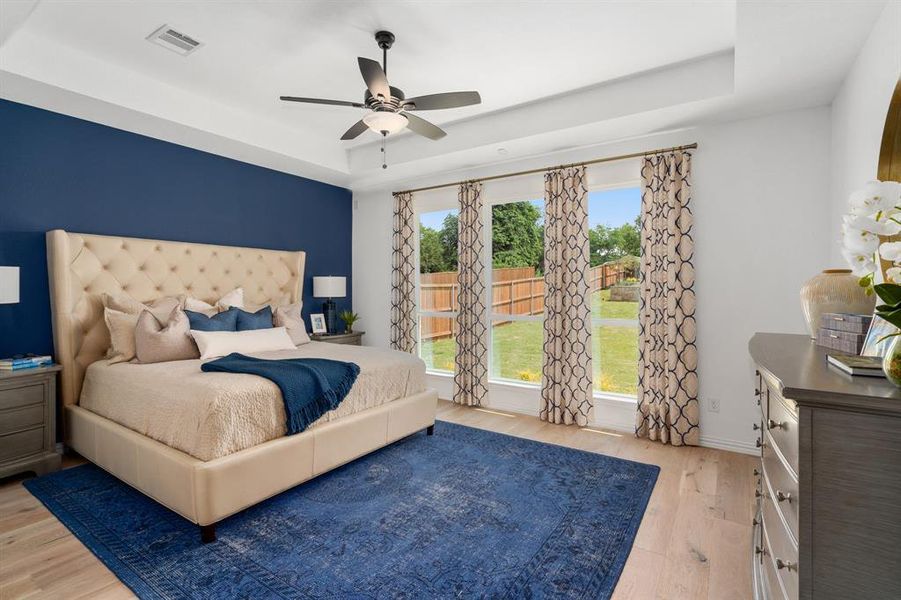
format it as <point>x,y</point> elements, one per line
<point>103,549</point>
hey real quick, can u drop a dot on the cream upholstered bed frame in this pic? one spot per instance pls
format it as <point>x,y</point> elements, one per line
<point>82,267</point>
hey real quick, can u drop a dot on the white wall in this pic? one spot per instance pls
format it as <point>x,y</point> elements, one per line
<point>761,226</point>
<point>858,114</point>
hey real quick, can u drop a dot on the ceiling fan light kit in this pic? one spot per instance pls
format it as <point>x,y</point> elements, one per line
<point>390,110</point>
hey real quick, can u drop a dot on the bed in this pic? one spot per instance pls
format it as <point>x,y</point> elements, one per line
<point>208,445</point>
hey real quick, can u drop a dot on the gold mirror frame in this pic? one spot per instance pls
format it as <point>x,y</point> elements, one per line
<point>890,150</point>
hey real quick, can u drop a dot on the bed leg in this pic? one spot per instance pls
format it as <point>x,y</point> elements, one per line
<point>430,430</point>
<point>208,533</point>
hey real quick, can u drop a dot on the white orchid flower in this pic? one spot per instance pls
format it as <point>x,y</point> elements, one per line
<point>891,251</point>
<point>884,227</point>
<point>860,242</point>
<point>893,275</point>
<point>861,264</point>
<point>875,197</point>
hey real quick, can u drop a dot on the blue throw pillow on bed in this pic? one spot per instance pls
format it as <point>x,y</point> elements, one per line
<point>224,321</point>
<point>262,319</point>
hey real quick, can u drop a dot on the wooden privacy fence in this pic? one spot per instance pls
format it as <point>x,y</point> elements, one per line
<point>514,291</point>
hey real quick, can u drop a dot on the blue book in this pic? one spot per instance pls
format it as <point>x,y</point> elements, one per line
<point>26,361</point>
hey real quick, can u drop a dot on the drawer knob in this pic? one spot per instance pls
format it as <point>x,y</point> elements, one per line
<point>783,496</point>
<point>788,566</point>
<point>755,426</point>
<point>775,425</point>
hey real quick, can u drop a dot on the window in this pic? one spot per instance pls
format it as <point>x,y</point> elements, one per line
<point>614,222</point>
<point>438,289</point>
<point>517,291</point>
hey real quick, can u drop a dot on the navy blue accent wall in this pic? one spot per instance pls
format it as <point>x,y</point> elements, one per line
<point>59,172</point>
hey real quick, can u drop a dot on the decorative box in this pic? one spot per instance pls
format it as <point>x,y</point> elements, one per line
<point>846,322</point>
<point>843,341</point>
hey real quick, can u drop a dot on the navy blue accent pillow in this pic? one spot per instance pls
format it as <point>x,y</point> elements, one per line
<point>262,319</point>
<point>224,321</point>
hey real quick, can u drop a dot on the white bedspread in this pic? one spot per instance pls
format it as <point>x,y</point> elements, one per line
<point>209,415</point>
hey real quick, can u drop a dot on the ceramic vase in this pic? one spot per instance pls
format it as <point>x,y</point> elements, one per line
<point>833,291</point>
<point>891,362</point>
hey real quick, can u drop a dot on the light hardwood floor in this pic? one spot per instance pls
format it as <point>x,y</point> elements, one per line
<point>694,541</point>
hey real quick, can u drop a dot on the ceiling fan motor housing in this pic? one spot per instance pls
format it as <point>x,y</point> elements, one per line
<point>385,39</point>
<point>394,103</point>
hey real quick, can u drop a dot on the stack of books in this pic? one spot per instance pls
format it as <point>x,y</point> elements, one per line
<point>868,366</point>
<point>15,364</point>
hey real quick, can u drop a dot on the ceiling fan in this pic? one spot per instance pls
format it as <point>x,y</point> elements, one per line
<point>390,110</point>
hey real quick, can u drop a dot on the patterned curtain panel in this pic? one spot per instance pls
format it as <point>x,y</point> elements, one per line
<point>566,395</point>
<point>668,356</point>
<point>471,375</point>
<point>403,265</point>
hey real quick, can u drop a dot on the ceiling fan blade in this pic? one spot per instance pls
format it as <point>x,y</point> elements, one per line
<point>355,130</point>
<point>445,100</point>
<point>374,77</point>
<point>424,128</point>
<point>321,101</point>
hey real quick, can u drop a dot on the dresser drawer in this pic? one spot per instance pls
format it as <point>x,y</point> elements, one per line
<point>22,444</point>
<point>21,418</point>
<point>782,551</point>
<point>21,396</point>
<point>780,483</point>
<point>771,584</point>
<point>782,425</point>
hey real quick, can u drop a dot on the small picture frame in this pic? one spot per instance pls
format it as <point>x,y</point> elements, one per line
<point>317,321</point>
<point>876,344</point>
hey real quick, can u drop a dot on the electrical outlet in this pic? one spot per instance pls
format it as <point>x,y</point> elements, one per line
<point>713,405</point>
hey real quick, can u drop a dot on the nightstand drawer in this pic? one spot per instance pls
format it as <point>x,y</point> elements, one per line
<point>21,418</point>
<point>21,396</point>
<point>22,444</point>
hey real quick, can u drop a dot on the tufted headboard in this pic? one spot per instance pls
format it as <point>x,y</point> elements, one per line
<point>82,267</point>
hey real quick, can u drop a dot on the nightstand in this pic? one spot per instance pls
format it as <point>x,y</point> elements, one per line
<point>28,421</point>
<point>352,339</point>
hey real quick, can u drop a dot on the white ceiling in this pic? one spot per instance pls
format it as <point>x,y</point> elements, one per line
<point>551,74</point>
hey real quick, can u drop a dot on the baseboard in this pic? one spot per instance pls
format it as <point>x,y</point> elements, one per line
<point>730,445</point>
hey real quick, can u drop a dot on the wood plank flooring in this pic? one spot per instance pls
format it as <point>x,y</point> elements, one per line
<point>694,541</point>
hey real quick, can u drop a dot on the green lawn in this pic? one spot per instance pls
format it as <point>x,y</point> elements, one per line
<point>516,351</point>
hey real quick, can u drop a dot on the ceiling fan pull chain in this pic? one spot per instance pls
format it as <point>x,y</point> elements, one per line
<point>384,154</point>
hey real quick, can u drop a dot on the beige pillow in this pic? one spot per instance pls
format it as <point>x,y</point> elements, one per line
<point>288,316</point>
<point>213,344</point>
<point>155,342</point>
<point>121,334</point>
<point>233,298</point>
<point>121,312</point>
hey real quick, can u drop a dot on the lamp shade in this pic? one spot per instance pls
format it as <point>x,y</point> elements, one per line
<point>9,285</point>
<point>329,287</point>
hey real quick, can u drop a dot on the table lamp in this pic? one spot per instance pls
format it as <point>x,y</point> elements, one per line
<point>330,287</point>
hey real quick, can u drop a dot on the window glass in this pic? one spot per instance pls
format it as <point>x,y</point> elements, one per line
<point>614,222</point>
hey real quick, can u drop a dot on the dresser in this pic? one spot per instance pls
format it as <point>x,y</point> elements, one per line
<point>28,421</point>
<point>828,522</point>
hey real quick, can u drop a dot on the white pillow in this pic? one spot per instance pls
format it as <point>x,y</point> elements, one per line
<point>233,298</point>
<point>213,344</point>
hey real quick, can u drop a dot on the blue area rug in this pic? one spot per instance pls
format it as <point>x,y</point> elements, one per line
<point>465,513</point>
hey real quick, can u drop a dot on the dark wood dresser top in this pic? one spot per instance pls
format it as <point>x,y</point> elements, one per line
<point>799,366</point>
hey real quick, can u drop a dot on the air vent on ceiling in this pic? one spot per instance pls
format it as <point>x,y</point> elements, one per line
<point>174,40</point>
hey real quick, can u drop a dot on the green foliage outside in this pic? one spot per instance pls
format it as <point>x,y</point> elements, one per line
<point>516,349</point>
<point>612,243</point>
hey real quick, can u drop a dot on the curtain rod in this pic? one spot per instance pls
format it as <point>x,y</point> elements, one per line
<point>543,169</point>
